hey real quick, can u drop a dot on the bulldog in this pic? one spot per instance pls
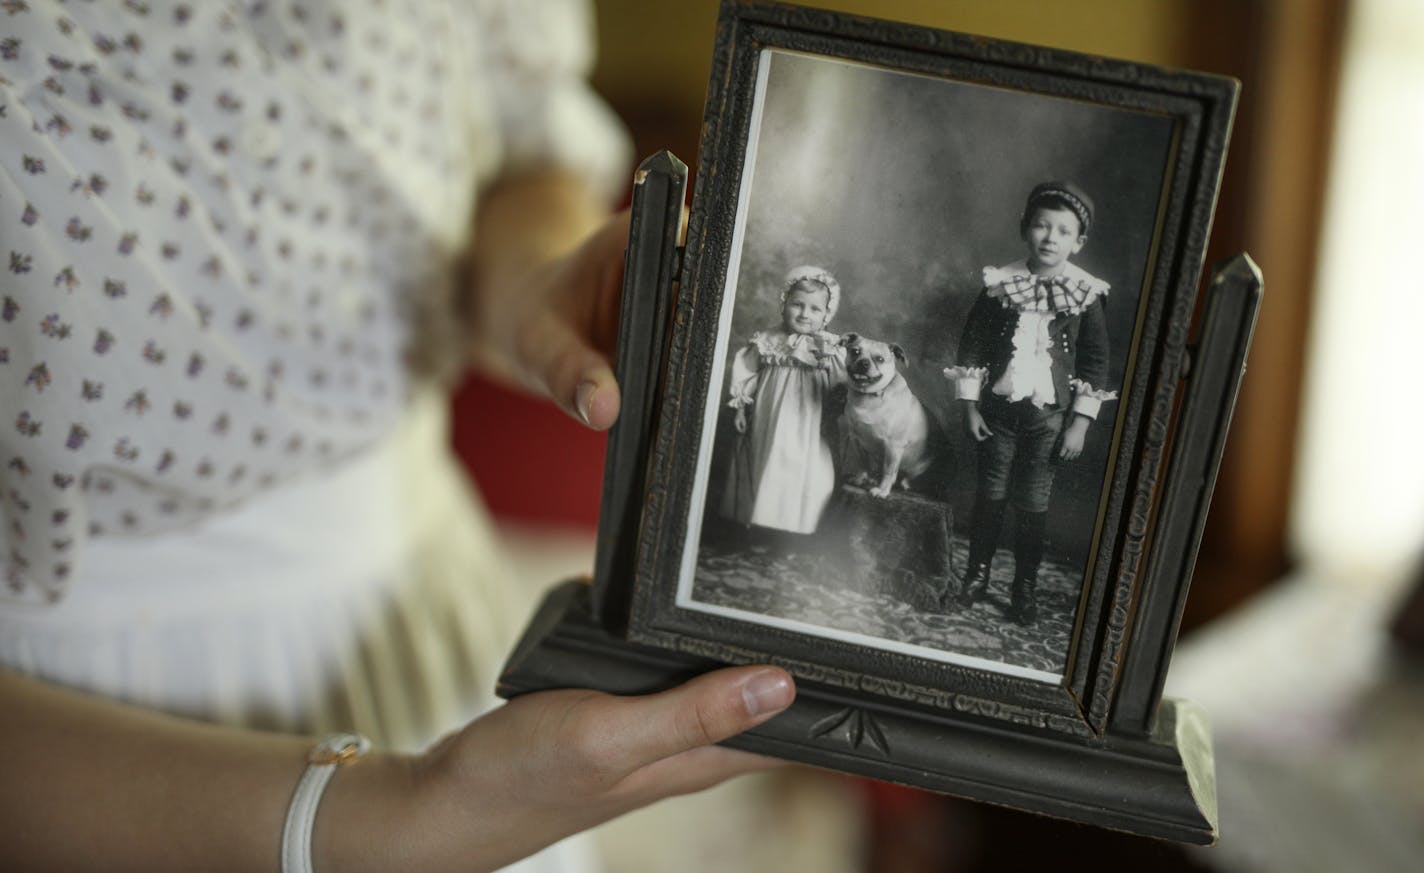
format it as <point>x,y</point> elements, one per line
<point>885,431</point>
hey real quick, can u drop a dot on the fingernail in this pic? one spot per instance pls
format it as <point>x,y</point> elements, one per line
<point>767,692</point>
<point>583,399</point>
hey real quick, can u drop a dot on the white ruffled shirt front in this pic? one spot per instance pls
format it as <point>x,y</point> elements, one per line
<point>1029,375</point>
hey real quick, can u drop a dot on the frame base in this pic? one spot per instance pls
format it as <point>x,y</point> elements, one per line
<point>1160,785</point>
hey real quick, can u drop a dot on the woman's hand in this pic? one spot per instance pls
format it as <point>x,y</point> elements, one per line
<point>544,284</point>
<point>740,421</point>
<point>974,421</point>
<point>91,784</point>
<point>1075,435</point>
<point>540,768</point>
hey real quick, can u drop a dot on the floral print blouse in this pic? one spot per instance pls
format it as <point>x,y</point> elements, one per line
<point>225,236</point>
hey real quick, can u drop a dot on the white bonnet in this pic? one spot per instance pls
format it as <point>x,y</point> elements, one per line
<point>808,272</point>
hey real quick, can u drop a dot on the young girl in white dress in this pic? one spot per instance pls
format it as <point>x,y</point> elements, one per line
<point>783,472</point>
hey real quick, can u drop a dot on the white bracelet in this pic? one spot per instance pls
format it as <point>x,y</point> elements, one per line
<point>322,762</point>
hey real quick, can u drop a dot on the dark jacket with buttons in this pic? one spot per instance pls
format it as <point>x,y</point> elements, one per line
<point>1077,331</point>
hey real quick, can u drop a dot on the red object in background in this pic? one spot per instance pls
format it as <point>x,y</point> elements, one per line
<point>532,462</point>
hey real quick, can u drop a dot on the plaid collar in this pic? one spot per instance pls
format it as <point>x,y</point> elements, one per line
<point>1070,292</point>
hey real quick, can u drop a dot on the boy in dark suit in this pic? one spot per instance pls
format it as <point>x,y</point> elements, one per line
<point>1032,366</point>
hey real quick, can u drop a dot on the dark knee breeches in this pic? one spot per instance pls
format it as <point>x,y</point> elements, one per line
<point>1017,461</point>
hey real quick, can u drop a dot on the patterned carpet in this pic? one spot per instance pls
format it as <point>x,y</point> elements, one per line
<point>773,581</point>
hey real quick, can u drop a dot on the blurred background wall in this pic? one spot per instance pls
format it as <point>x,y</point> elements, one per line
<point>1324,186</point>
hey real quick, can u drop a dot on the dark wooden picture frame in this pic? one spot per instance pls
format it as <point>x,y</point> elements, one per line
<point>1099,745</point>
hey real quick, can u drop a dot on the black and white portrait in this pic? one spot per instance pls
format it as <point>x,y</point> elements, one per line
<point>930,306</point>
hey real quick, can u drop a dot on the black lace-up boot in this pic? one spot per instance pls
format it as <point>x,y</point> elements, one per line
<point>983,537</point>
<point>1028,555</point>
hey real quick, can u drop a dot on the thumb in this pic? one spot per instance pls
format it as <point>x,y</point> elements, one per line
<point>701,712</point>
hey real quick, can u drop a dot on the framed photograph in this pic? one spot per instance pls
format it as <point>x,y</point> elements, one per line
<point>894,195</point>
<point>891,227</point>
<point>914,431</point>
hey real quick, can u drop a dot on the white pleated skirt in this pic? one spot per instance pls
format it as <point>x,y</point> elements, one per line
<point>369,598</point>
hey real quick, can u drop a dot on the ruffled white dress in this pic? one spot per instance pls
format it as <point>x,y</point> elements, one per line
<point>226,232</point>
<point>783,471</point>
